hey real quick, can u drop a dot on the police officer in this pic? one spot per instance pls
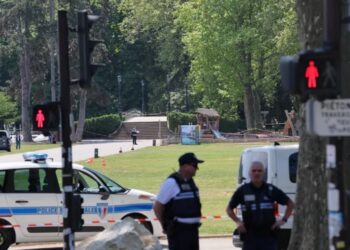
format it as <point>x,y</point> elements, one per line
<point>257,198</point>
<point>178,207</point>
<point>133,134</point>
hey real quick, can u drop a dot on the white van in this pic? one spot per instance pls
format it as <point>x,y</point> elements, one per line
<point>281,169</point>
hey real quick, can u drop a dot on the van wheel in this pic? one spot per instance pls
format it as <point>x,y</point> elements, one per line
<point>5,239</point>
<point>146,224</point>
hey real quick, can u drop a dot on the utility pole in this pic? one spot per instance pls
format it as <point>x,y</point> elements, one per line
<point>67,173</point>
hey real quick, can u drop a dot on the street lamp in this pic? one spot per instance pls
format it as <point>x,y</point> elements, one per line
<point>143,97</point>
<point>119,77</point>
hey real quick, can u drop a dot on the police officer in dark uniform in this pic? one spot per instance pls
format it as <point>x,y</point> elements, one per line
<point>178,207</point>
<point>257,199</point>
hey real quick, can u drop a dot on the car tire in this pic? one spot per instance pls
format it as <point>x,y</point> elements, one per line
<point>146,224</point>
<point>6,239</point>
<point>9,149</point>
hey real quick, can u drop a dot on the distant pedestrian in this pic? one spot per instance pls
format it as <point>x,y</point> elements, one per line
<point>134,133</point>
<point>18,141</point>
<point>178,206</point>
<point>257,199</point>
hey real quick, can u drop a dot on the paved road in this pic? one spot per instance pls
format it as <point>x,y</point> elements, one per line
<point>86,150</point>
<point>222,243</point>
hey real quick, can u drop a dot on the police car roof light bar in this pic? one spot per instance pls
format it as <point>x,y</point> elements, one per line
<point>35,157</point>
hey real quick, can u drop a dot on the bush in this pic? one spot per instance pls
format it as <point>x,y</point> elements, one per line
<point>101,126</point>
<point>228,125</point>
<point>176,119</point>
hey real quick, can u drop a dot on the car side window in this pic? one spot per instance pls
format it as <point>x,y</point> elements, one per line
<point>293,166</point>
<point>85,183</point>
<point>82,182</point>
<point>33,181</point>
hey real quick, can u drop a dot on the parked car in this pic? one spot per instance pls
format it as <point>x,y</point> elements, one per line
<point>281,169</point>
<point>31,201</point>
<point>5,140</point>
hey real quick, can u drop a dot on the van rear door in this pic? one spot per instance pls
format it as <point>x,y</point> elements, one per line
<point>286,166</point>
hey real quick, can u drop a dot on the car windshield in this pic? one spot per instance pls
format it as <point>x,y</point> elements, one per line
<point>113,186</point>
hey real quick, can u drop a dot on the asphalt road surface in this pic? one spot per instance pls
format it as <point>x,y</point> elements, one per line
<point>86,150</point>
<point>220,243</point>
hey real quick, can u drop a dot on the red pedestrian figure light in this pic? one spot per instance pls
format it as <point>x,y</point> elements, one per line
<point>311,74</point>
<point>40,118</point>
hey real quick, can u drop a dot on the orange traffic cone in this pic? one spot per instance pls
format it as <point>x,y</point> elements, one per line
<point>104,163</point>
<point>90,160</point>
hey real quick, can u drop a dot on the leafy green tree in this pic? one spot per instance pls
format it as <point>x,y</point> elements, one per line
<point>8,108</point>
<point>234,48</point>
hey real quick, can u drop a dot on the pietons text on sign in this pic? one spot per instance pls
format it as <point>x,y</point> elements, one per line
<point>328,118</point>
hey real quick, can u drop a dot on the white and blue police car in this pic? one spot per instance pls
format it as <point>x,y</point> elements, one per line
<point>31,201</point>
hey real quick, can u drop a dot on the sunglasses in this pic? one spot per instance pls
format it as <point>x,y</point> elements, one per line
<point>256,170</point>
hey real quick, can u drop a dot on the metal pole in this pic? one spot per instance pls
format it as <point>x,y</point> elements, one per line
<point>143,97</point>
<point>119,77</point>
<point>335,38</point>
<point>67,176</point>
<point>345,88</point>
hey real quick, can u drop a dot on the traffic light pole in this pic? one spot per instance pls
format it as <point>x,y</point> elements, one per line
<point>336,36</point>
<point>345,87</point>
<point>67,176</point>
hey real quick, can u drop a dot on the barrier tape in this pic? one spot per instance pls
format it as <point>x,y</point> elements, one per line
<point>111,221</point>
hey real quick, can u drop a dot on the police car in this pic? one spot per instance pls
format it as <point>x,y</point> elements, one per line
<point>31,201</point>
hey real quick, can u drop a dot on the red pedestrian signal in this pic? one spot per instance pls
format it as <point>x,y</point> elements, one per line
<point>40,118</point>
<point>46,116</point>
<point>311,74</point>
<point>317,74</point>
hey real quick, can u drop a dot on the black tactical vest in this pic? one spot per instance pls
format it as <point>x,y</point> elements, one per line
<point>186,203</point>
<point>258,208</point>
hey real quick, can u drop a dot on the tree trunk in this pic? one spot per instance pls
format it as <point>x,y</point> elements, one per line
<point>25,80</point>
<point>310,229</point>
<point>82,112</point>
<point>249,107</point>
<point>252,107</point>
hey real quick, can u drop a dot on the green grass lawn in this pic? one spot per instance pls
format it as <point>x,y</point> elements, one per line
<point>27,147</point>
<point>147,168</point>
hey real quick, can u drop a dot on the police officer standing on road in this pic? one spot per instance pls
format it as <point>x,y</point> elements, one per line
<point>178,207</point>
<point>134,133</point>
<point>257,200</point>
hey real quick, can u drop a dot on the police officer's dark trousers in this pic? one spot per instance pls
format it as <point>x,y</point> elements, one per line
<point>184,237</point>
<point>260,243</point>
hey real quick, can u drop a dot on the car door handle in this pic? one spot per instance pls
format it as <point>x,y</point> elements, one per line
<point>21,201</point>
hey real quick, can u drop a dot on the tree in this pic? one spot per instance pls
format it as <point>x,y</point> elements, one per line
<point>310,231</point>
<point>234,50</point>
<point>8,109</point>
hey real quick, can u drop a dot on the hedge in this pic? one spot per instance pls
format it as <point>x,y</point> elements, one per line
<point>230,125</point>
<point>176,119</point>
<point>101,126</point>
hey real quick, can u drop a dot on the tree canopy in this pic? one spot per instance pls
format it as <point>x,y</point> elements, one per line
<point>204,53</point>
